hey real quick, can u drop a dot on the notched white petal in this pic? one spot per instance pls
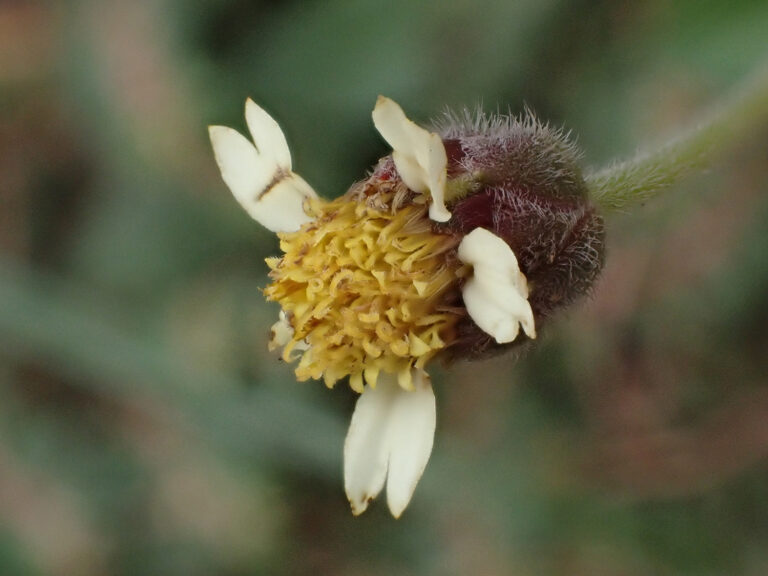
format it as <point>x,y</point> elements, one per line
<point>419,155</point>
<point>366,451</point>
<point>259,173</point>
<point>496,296</point>
<point>390,438</point>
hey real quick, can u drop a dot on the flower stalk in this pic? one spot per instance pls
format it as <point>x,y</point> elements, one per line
<point>645,176</point>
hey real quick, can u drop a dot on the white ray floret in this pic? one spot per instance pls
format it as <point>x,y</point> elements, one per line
<point>419,155</point>
<point>496,296</point>
<point>389,440</point>
<point>281,332</point>
<point>259,173</point>
<point>281,335</point>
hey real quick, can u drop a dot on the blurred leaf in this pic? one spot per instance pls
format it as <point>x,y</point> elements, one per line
<point>60,325</point>
<point>13,558</point>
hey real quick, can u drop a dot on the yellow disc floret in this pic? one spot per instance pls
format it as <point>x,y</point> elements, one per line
<point>366,288</point>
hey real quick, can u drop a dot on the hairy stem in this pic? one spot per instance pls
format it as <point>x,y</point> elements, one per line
<point>648,173</point>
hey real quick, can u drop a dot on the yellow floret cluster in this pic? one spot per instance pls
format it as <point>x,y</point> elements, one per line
<point>366,288</point>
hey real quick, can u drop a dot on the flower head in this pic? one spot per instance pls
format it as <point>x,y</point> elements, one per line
<point>457,245</point>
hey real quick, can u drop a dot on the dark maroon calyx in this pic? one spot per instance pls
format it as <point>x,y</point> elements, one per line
<point>529,191</point>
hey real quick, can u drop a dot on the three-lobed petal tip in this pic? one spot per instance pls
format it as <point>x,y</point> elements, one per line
<point>419,155</point>
<point>259,173</point>
<point>496,296</point>
<point>389,440</point>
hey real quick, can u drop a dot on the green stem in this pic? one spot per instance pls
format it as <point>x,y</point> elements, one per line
<point>648,173</point>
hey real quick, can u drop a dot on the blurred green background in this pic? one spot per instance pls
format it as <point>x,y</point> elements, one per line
<point>144,428</point>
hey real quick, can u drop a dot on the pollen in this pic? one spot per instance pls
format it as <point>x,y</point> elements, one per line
<point>368,287</point>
